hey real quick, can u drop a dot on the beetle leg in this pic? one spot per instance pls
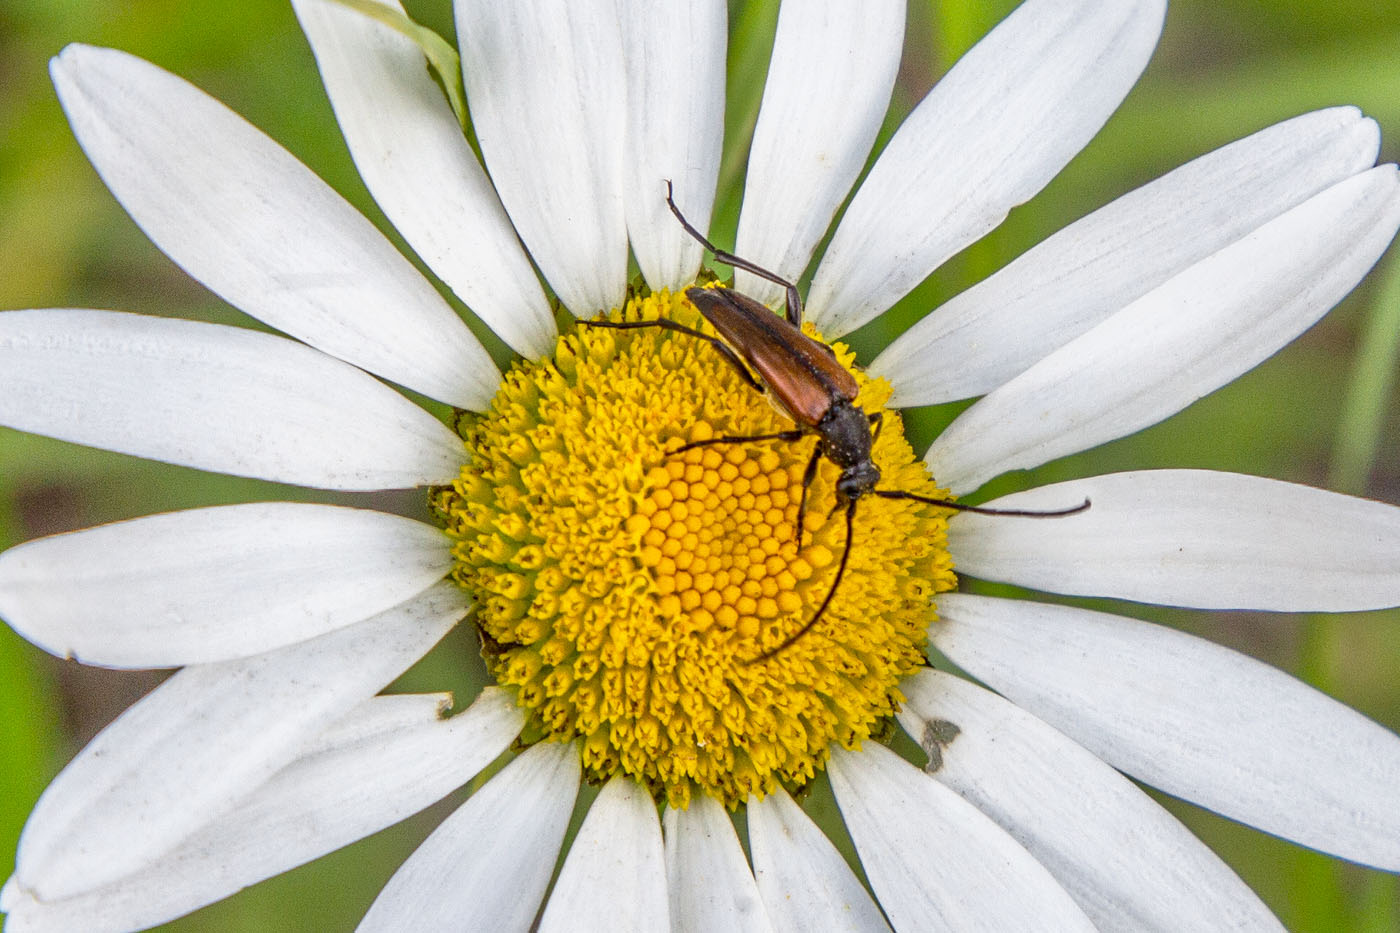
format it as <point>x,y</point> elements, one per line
<point>794,300</point>
<point>877,419</point>
<point>735,439</point>
<point>807,476</point>
<point>725,349</point>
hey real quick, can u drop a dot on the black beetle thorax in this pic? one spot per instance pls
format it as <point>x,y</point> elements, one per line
<point>845,434</point>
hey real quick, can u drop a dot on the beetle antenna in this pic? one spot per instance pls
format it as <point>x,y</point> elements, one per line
<point>982,510</point>
<point>850,531</point>
<point>830,594</point>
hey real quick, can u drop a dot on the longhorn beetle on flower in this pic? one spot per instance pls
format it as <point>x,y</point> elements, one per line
<point>809,386</point>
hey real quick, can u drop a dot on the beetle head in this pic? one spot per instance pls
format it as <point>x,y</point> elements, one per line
<point>856,480</point>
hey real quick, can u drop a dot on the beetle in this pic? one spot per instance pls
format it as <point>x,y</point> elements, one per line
<point>809,386</point>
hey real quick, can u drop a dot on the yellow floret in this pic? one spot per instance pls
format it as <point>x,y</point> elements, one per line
<point>626,591</point>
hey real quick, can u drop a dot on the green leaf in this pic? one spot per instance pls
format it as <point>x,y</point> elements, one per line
<point>1372,382</point>
<point>1379,905</point>
<point>750,47</point>
<point>959,24</point>
<point>28,734</point>
<point>442,57</point>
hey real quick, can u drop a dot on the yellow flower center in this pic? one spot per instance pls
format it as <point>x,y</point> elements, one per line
<point>629,594</point>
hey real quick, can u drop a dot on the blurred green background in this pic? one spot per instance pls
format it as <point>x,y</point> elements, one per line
<point>1320,412</point>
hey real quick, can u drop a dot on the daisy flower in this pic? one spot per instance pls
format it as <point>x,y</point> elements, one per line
<point>631,597</point>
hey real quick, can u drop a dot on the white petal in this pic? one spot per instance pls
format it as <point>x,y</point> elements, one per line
<point>491,860</point>
<point>388,759</point>
<point>829,83</point>
<point>1182,340</point>
<point>214,584</point>
<point>1193,538</point>
<point>1092,268</point>
<point>415,160</point>
<point>1127,862</point>
<point>711,887</point>
<point>674,51</point>
<point>242,215</point>
<point>615,875</point>
<point>992,133</point>
<point>1191,718</point>
<point>216,398</point>
<point>545,84</point>
<point>205,739</point>
<point>805,883</point>
<point>935,862</point>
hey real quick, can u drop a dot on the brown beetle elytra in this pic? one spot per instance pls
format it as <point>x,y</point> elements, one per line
<point>809,386</point>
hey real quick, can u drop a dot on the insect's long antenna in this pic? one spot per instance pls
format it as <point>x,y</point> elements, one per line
<point>981,510</point>
<point>850,529</point>
<point>830,594</point>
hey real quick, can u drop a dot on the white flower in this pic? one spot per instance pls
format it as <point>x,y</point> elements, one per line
<point>270,746</point>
